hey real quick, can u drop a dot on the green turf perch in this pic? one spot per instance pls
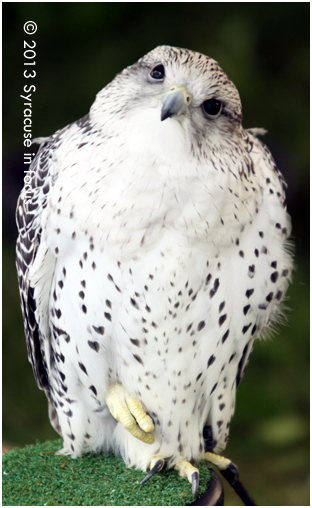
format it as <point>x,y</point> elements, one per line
<point>33,477</point>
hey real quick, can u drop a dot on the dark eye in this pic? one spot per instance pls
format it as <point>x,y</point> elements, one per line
<point>212,107</point>
<point>158,72</point>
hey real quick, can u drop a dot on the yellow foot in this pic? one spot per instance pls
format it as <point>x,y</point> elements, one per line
<point>190,472</point>
<point>227,468</point>
<point>185,469</point>
<point>157,463</point>
<point>130,413</point>
<point>219,461</point>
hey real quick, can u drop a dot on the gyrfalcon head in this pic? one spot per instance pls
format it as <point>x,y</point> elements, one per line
<point>183,89</point>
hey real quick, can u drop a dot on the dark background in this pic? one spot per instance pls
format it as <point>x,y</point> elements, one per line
<point>264,48</point>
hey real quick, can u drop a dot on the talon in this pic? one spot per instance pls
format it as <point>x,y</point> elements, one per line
<point>195,483</point>
<point>156,465</point>
<point>190,472</point>
<point>130,413</point>
<point>230,472</point>
<point>228,469</point>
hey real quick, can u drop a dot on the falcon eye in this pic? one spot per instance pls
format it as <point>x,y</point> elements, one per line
<point>158,72</point>
<point>212,107</point>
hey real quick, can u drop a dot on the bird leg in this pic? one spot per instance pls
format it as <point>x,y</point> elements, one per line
<point>130,413</point>
<point>157,463</point>
<point>231,474</point>
<point>190,472</point>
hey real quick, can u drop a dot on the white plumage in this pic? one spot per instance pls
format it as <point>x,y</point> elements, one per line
<point>151,254</point>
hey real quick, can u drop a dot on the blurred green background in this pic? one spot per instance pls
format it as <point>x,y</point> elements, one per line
<point>264,48</point>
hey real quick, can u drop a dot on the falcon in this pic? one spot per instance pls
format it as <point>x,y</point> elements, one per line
<point>152,253</point>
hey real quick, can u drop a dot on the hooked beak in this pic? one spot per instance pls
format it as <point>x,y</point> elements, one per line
<point>175,102</point>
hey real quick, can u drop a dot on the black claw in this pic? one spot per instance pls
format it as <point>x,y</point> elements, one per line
<point>157,467</point>
<point>195,483</point>
<point>231,474</point>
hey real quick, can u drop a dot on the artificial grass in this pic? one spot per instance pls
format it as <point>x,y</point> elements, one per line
<point>34,478</point>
